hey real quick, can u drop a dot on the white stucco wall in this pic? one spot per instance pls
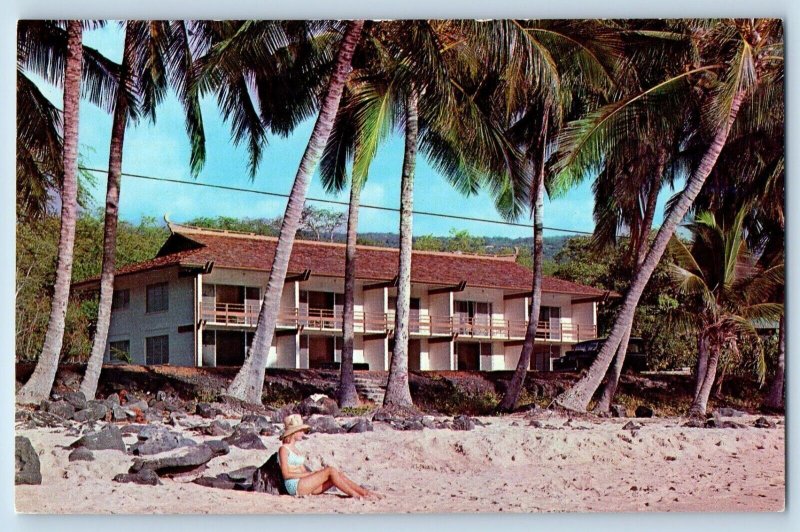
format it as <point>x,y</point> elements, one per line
<point>134,324</point>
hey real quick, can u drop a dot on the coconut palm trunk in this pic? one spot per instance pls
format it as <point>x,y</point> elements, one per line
<point>514,389</point>
<point>39,385</point>
<point>705,381</point>
<point>120,121</point>
<point>578,397</point>
<point>612,381</point>
<point>774,398</point>
<point>398,392</point>
<point>249,381</point>
<point>347,394</point>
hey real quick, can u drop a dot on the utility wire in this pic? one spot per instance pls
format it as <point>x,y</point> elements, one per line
<point>332,202</point>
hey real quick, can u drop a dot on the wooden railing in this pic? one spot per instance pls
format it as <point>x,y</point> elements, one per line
<point>479,327</point>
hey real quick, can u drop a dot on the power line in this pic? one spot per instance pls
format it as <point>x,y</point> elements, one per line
<point>332,202</point>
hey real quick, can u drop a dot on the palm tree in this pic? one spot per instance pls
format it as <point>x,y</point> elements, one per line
<point>41,50</point>
<point>249,381</point>
<point>739,55</point>
<point>38,386</point>
<point>366,116</point>
<point>447,116</point>
<point>726,294</point>
<point>151,47</point>
<point>550,70</point>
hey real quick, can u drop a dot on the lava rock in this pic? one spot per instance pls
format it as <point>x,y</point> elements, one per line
<point>94,411</point>
<point>630,425</point>
<point>644,411</point>
<point>360,425</point>
<point>181,461</point>
<point>245,437</point>
<point>619,411</point>
<point>463,422</point>
<point>218,447</point>
<point>118,413</point>
<point>113,398</point>
<point>429,422</point>
<point>323,406</point>
<point>140,404</point>
<point>217,428</point>
<point>144,476</point>
<point>324,425</point>
<point>763,423</point>
<point>155,439</point>
<point>60,408</point>
<point>81,454</point>
<point>262,424</point>
<point>177,418</point>
<point>27,468</point>
<point>694,424</point>
<point>728,412</point>
<point>109,437</point>
<point>409,424</point>
<point>76,399</point>
<point>268,478</point>
<point>536,424</point>
<point>221,481</point>
<point>206,410</point>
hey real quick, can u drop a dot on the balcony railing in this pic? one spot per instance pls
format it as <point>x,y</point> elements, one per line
<point>479,327</point>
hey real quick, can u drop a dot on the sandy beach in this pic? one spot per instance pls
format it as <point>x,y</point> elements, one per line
<point>587,465</point>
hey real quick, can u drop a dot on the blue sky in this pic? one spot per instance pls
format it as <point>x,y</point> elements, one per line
<point>162,150</point>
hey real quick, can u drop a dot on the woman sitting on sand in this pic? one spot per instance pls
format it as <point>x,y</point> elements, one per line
<point>298,479</point>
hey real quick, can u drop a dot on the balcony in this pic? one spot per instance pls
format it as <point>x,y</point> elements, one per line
<point>240,315</point>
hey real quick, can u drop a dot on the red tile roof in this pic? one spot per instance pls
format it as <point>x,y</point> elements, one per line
<point>189,246</point>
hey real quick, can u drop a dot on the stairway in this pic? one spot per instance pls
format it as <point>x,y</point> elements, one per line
<point>371,387</point>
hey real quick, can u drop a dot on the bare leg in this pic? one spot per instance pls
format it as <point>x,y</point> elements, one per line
<point>314,483</point>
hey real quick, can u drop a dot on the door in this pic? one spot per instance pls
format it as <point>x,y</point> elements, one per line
<point>414,351</point>
<point>320,351</point>
<point>230,348</point>
<point>482,318</point>
<point>469,356</point>
<point>550,317</point>
<point>252,304</point>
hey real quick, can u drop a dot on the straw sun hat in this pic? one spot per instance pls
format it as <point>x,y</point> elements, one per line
<point>293,423</point>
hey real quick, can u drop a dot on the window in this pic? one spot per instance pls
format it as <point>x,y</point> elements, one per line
<point>121,299</point>
<point>119,351</point>
<point>157,349</point>
<point>157,297</point>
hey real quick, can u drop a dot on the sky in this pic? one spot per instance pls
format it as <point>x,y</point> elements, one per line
<point>161,149</point>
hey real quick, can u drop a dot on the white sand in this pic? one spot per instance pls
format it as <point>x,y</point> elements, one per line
<point>501,467</point>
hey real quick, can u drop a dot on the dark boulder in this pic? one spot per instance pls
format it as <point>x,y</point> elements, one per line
<point>76,399</point>
<point>221,481</point>
<point>206,410</point>
<point>323,406</point>
<point>181,461</point>
<point>144,476</point>
<point>463,422</point>
<point>360,425</point>
<point>81,454</point>
<point>644,411</point>
<point>263,425</point>
<point>140,404</point>
<point>728,412</point>
<point>109,437</point>
<point>763,423</point>
<point>60,408</point>
<point>324,425</point>
<point>268,478</point>
<point>118,413</point>
<point>94,411</point>
<point>113,398</point>
<point>408,424</point>
<point>217,428</point>
<point>155,439</point>
<point>245,437</point>
<point>619,411</point>
<point>218,447</point>
<point>630,425</point>
<point>27,467</point>
<point>694,424</point>
<point>536,424</point>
